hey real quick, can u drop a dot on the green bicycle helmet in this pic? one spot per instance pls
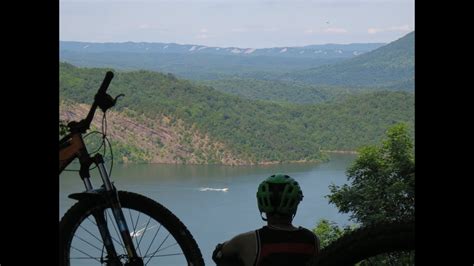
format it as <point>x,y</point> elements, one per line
<point>279,194</point>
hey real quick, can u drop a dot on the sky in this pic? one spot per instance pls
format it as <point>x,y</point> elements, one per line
<point>237,23</point>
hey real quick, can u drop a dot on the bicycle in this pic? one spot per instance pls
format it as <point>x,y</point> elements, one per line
<point>114,218</point>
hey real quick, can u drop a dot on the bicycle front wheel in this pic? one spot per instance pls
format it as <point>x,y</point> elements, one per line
<point>160,238</point>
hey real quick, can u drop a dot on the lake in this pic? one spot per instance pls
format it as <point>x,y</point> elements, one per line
<point>218,202</point>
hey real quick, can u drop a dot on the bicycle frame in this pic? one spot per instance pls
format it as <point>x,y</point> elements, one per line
<point>72,146</point>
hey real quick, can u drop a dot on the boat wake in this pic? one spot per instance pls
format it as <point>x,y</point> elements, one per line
<point>213,189</point>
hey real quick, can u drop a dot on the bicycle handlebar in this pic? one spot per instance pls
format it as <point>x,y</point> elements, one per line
<point>84,124</point>
<point>105,83</point>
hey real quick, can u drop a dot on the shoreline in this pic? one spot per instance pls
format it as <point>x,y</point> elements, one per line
<point>263,163</point>
<point>340,151</point>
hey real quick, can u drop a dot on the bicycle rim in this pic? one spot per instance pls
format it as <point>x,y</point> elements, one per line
<point>159,237</point>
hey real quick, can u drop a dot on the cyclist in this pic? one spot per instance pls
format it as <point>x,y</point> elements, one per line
<point>279,242</point>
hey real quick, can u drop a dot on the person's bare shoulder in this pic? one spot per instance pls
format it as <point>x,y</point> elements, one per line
<point>243,246</point>
<point>241,240</point>
<point>246,235</point>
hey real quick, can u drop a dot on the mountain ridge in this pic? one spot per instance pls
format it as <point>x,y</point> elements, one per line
<point>390,66</point>
<point>310,51</point>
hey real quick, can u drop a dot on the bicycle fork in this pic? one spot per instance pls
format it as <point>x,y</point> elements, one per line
<point>111,196</point>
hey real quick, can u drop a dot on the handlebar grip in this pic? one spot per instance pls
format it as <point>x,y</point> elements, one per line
<point>105,83</point>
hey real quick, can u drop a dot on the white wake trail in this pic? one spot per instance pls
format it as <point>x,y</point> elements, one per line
<point>214,189</point>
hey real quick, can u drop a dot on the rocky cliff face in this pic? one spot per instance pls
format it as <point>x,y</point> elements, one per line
<point>161,140</point>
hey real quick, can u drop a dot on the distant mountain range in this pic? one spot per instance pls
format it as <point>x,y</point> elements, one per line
<point>310,51</point>
<point>306,74</point>
<point>199,62</point>
<point>391,66</point>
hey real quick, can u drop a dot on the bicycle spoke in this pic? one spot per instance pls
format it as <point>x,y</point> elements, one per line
<point>175,243</point>
<point>138,218</point>
<point>164,255</point>
<point>92,221</point>
<point>134,230</point>
<point>85,241</point>
<point>158,249</point>
<point>112,221</point>
<point>131,221</point>
<point>85,254</point>
<point>113,238</point>
<point>153,240</point>
<point>94,236</point>
<point>143,234</point>
<point>100,240</point>
<point>146,229</point>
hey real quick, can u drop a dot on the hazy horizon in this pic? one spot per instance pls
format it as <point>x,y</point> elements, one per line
<point>243,24</point>
<point>196,44</point>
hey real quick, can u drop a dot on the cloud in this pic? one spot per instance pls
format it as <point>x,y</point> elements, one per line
<point>402,28</point>
<point>255,28</point>
<point>335,30</point>
<point>311,31</point>
<point>239,30</point>
<point>373,30</point>
<point>202,36</point>
<point>272,29</point>
<point>144,26</point>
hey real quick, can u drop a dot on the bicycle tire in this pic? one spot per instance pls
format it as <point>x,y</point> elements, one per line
<point>367,242</point>
<point>78,215</point>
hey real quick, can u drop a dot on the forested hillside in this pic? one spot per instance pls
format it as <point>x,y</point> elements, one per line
<point>252,131</point>
<point>390,66</point>
<point>280,91</point>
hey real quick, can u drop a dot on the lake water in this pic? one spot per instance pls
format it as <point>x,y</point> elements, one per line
<point>218,202</point>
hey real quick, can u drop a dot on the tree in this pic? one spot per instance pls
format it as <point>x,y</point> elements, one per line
<point>327,232</point>
<point>382,189</point>
<point>383,181</point>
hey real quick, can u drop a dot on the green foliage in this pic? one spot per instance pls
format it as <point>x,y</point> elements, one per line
<point>382,188</point>
<point>383,181</point>
<point>327,232</point>
<point>125,153</point>
<point>253,130</point>
<point>279,91</point>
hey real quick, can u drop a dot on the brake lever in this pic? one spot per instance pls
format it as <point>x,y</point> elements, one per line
<point>116,98</point>
<point>106,101</point>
